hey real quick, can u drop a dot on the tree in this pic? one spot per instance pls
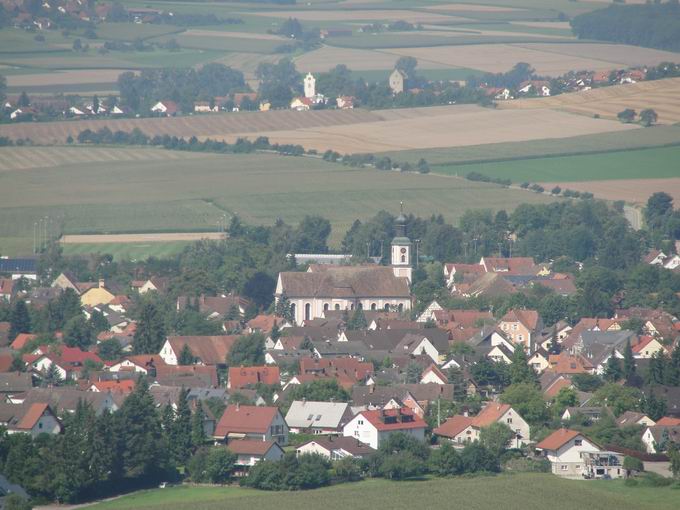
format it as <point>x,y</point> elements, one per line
<point>659,208</point>
<point>402,465</point>
<point>150,333</point>
<point>348,469</point>
<point>648,117</point>
<point>219,465</point>
<point>496,438</point>
<point>19,319</point>
<point>619,398</point>
<point>24,100</point>
<point>476,457</point>
<point>323,390</point>
<point>259,289</point>
<point>520,371</point>
<point>311,235</point>
<point>674,456</point>
<point>413,372</point>
<point>628,363</point>
<point>283,309</point>
<point>653,407</point>
<point>78,333</point>
<point>248,350</point>
<point>633,464</point>
<point>186,357</point>
<point>566,397</point>
<point>198,436</point>
<point>77,45</point>
<point>626,116</point>
<point>98,322</point>
<point>586,382</point>
<point>527,400</point>
<point>357,321</point>
<point>51,376</point>
<point>446,461</point>
<point>95,103</point>
<point>407,65</point>
<point>180,433</point>
<point>613,371</point>
<point>15,502</point>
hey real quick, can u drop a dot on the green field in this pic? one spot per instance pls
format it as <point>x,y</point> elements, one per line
<point>629,164</point>
<point>106,195</point>
<point>603,142</point>
<point>128,251</point>
<point>512,492</point>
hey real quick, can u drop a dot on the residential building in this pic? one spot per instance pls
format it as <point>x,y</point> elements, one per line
<point>249,452</point>
<point>522,327</point>
<point>261,423</point>
<point>374,427</point>
<point>336,448</point>
<point>242,377</point>
<point>564,449</point>
<point>208,350</point>
<point>312,417</point>
<point>34,419</point>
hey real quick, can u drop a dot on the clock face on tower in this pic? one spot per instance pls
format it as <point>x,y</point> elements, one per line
<point>403,250</point>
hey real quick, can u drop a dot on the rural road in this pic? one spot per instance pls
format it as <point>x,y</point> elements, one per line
<point>633,215</point>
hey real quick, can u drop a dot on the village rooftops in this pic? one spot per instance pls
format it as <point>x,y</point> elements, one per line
<point>245,419</point>
<point>394,419</point>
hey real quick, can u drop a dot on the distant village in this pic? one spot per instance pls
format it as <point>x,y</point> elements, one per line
<point>350,331</point>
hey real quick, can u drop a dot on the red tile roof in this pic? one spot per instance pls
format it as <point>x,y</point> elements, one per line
<point>378,417</point>
<point>453,426</point>
<point>21,340</point>
<point>490,414</point>
<point>5,362</point>
<point>529,318</point>
<point>263,323</point>
<point>250,447</point>
<point>557,439</point>
<point>32,416</point>
<point>125,386</point>
<point>240,377</point>
<point>245,419</point>
<point>667,421</point>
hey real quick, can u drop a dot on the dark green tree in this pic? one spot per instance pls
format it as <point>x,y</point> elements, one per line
<point>180,434</point>
<point>248,350</point>
<point>109,350</point>
<point>357,321</point>
<point>446,461</point>
<point>78,333</point>
<point>520,371</point>
<point>198,436</point>
<point>19,319</point>
<point>613,371</point>
<point>186,357</point>
<point>150,333</point>
<point>98,322</point>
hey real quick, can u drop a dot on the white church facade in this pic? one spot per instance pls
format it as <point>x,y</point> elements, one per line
<point>310,98</point>
<point>369,287</point>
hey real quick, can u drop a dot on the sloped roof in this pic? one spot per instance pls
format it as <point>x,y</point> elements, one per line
<point>491,413</point>
<point>327,415</point>
<point>240,377</point>
<point>211,350</point>
<point>453,426</point>
<point>245,419</point>
<point>32,415</point>
<point>345,282</point>
<point>251,447</point>
<point>529,318</point>
<point>404,417</point>
<point>190,376</point>
<point>512,265</point>
<point>349,444</point>
<point>557,439</point>
<point>437,371</point>
<point>21,340</point>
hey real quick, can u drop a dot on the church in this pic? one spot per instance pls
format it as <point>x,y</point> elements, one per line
<point>369,287</point>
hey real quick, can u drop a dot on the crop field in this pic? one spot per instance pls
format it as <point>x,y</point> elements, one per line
<point>658,136</point>
<point>661,95</point>
<point>74,77</point>
<point>443,126</point>
<point>127,251</point>
<point>648,164</point>
<point>195,192</point>
<point>215,125</point>
<point>631,190</point>
<point>526,491</point>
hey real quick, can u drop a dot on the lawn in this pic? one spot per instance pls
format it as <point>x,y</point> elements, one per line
<point>519,491</point>
<point>654,163</point>
<point>166,195</point>
<point>128,251</point>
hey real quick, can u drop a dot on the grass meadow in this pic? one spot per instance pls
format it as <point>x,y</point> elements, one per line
<point>127,251</point>
<point>170,195</point>
<point>520,491</point>
<point>653,163</point>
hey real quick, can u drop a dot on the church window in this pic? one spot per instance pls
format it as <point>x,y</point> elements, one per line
<point>374,306</point>
<point>308,312</point>
<point>337,306</point>
<point>401,307</point>
<point>326,306</point>
<point>403,258</point>
<point>360,306</point>
<point>292,310</point>
<point>387,307</point>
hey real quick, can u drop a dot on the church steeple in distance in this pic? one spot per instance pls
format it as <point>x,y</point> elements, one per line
<point>401,248</point>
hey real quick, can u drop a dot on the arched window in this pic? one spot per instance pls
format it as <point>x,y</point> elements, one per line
<point>351,307</point>
<point>401,307</point>
<point>360,306</point>
<point>337,306</point>
<point>403,258</point>
<point>326,306</point>
<point>292,311</point>
<point>308,312</point>
<point>387,307</point>
<point>374,306</point>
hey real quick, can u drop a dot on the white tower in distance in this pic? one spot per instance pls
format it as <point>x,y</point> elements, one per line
<point>401,249</point>
<point>310,86</point>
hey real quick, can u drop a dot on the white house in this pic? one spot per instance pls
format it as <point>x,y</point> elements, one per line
<point>374,427</point>
<point>335,448</point>
<point>564,449</point>
<point>260,423</point>
<point>318,417</point>
<point>249,452</point>
<point>34,419</point>
<point>428,313</point>
<point>658,437</point>
<point>433,374</point>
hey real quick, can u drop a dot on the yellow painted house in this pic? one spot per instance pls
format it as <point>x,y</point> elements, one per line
<point>96,296</point>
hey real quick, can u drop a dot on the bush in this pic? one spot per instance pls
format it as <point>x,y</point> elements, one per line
<point>476,458</point>
<point>348,470</point>
<point>633,464</point>
<point>290,473</point>
<point>527,465</point>
<point>211,465</point>
<point>402,465</point>
<point>524,185</point>
<point>446,461</point>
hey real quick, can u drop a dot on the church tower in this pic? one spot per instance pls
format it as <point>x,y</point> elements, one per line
<point>401,249</point>
<point>310,86</point>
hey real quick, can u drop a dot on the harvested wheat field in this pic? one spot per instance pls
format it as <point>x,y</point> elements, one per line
<point>197,125</point>
<point>631,190</point>
<point>141,238</point>
<point>445,126</point>
<point>240,35</point>
<point>661,95</point>
<point>471,8</point>
<point>361,15</point>
<point>497,58</point>
<point>18,158</point>
<point>620,54</point>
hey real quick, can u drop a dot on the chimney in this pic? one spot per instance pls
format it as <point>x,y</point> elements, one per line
<point>101,283</point>
<point>238,406</point>
<point>372,389</point>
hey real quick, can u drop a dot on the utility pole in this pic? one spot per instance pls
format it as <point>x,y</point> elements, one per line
<point>439,412</point>
<point>35,226</point>
<point>500,253</point>
<point>381,248</point>
<point>368,250</point>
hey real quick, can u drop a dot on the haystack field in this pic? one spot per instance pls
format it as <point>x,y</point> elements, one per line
<point>445,126</point>
<point>635,191</point>
<point>197,125</point>
<point>663,96</point>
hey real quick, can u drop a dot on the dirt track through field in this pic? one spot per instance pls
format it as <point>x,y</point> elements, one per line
<point>142,238</point>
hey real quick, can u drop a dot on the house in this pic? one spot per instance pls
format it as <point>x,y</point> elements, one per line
<point>635,419</point>
<point>208,350</point>
<point>216,307</point>
<point>463,429</point>
<point>158,284</point>
<point>336,448</point>
<point>301,104</point>
<point>522,327</point>
<point>141,364</point>
<point>116,386</point>
<point>13,384</point>
<point>34,419</point>
<point>593,414</point>
<point>539,360</point>
<point>19,268</point>
<point>417,397</point>
<point>242,377</point>
<point>167,108</point>
<point>68,361</point>
<point>66,399</point>
<point>205,107</point>
<point>564,449</point>
<point>264,323</point>
<point>345,102</point>
<point>374,427</point>
<point>252,422</point>
<point>101,294</point>
<point>66,280</point>
<point>433,374</point>
<point>21,340</point>
<point>396,81</point>
<point>318,417</point>
<point>6,289</point>
<point>249,452</point>
<point>647,346</point>
<point>658,438</point>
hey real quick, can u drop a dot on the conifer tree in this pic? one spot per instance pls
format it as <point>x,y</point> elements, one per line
<point>613,371</point>
<point>628,363</point>
<point>150,333</point>
<point>19,319</point>
<point>197,430</point>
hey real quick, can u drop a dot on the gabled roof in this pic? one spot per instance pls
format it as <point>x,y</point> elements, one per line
<point>21,340</point>
<point>558,439</point>
<point>345,282</point>
<point>32,415</point>
<point>632,418</point>
<point>668,421</point>
<point>453,426</point>
<point>394,419</point>
<point>349,444</point>
<point>491,413</point>
<point>210,350</point>
<point>245,419</point>
<point>529,318</point>
<point>263,322</point>
<point>437,371</point>
<point>240,377</point>
<point>251,447</point>
<point>326,415</point>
